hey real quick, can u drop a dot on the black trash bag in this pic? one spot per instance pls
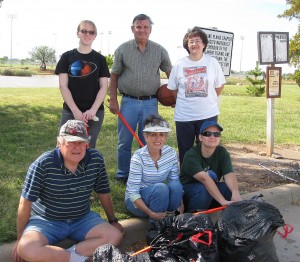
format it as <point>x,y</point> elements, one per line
<point>184,237</point>
<point>109,253</point>
<point>245,231</point>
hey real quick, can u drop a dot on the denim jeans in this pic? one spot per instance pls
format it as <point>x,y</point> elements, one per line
<point>160,197</point>
<point>135,113</point>
<point>187,133</point>
<point>196,196</point>
<point>93,128</point>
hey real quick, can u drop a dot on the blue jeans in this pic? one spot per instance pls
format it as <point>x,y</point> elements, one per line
<point>187,133</point>
<point>160,197</point>
<point>93,128</point>
<point>57,230</point>
<point>135,113</point>
<point>196,196</point>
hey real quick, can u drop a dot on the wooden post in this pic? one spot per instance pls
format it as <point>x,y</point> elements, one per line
<point>270,126</point>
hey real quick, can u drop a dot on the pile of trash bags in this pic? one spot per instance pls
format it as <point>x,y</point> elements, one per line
<point>243,233</point>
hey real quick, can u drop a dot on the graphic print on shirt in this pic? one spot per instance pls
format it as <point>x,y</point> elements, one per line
<point>196,84</point>
<point>81,68</point>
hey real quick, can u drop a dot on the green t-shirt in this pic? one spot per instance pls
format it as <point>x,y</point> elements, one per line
<point>194,162</point>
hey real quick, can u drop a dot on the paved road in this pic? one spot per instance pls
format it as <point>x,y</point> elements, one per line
<point>34,81</point>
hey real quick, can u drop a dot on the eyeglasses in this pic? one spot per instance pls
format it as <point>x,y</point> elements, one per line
<point>85,32</point>
<point>197,42</point>
<point>209,133</point>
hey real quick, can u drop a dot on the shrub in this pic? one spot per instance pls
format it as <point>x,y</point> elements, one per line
<point>10,72</point>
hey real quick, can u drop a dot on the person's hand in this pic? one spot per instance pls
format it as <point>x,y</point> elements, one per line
<point>15,255</point>
<point>113,106</point>
<point>118,226</point>
<point>157,216</point>
<point>226,202</point>
<point>89,114</point>
<point>78,115</point>
<point>235,196</point>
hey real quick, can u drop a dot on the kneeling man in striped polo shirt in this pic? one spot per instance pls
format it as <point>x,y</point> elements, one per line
<point>55,202</point>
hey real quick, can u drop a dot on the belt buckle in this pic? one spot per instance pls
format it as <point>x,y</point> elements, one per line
<point>144,97</point>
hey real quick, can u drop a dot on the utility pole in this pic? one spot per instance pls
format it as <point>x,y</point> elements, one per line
<point>11,17</point>
<point>242,38</point>
<point>101,38</point>
<point>109,33</point>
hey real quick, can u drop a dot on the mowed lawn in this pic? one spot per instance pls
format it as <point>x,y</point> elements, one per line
<point>29,123</point>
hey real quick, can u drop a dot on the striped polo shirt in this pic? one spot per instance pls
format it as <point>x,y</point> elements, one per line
<point>139,72</point>
<point>144,173</point>
<point>58,194</point>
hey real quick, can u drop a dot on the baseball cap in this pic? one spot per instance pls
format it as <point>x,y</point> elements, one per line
<point>207,124</point>
<point>74,130</point>
<point>156,126</point>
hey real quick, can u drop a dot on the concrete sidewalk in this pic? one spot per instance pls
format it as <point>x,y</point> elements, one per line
<point>286,198</point>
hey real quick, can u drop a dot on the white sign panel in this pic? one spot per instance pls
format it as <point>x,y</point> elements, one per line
<point>273,47</point>
<point>220,44</point>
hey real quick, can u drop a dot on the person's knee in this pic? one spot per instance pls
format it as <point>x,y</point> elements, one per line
<point>117,238</point>
<point>175,186</point>
<point>161,189</point>
<point>26,249</point>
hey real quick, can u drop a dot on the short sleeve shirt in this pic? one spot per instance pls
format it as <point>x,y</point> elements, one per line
<point>194,162</point>
<point>84,71</point>
<point>58,194</point>
<point>139,72</point>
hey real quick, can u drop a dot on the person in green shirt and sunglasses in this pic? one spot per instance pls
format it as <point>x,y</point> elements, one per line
<point>207,174</point>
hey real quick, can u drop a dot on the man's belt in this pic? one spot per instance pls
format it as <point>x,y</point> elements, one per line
<point>140,97</point>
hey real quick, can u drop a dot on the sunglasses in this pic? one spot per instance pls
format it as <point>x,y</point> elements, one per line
<point>85,32</point>
<point>209,133</point>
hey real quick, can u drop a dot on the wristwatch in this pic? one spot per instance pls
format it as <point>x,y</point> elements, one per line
<point>114,220</point>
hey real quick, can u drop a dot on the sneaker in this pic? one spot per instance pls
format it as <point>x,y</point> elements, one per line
<point>78,258</point>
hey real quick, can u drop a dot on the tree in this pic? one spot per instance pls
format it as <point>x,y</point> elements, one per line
<point>3,60</point>
<point>294,50</point>
<point>256,85</point>
<point>109,60</point>
<point>43,54</point>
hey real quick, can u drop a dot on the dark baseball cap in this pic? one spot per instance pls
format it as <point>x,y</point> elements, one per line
<point>207,124</point>
<point>74,130</point>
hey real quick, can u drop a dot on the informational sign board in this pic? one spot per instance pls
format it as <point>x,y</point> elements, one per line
<point>273,47</point>
<point>273,82</point>
<point>220,44</point>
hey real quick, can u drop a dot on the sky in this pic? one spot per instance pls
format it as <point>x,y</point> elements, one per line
<point>54,23</point>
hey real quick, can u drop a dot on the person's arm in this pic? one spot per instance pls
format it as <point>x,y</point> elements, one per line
<point>107,204</point>
<point>68,98</point>
<point>90,114</point>
<point>168,74</point>
<point>211,187</point>
<point>219,90</point>
<point>140,204</point>
<point>231,182</point>
<point>23,216</point>
<point>113,103</point>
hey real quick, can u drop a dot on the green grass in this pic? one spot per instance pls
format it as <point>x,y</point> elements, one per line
<point>29,122</point>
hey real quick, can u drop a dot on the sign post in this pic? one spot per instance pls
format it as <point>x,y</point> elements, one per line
<point>273,47</point>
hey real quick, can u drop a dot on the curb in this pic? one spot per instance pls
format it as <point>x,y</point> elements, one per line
<point>136,228</point>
